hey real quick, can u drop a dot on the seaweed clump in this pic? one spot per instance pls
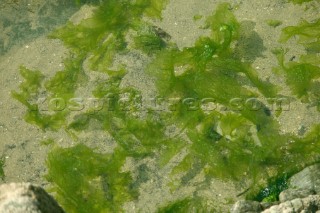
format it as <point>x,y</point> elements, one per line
<point>274,187</point>
<point>186,205</point>
<point>302,76</point>
<point>93,180</point>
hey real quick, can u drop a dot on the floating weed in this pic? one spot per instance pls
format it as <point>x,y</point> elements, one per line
<point>95,181</point>
<point>308,32</point>
<point>301,76</point>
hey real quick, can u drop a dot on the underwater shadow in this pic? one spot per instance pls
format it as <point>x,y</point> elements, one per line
<point>250,45</point>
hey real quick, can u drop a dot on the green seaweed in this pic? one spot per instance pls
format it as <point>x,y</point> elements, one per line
<point>29,94</point>
<point>187,205</point>
<point>291,152</point>
<point>61,86</point>
<point>29,88</point>
<point>153,8</point>
<point>104,33</point>
<point>94,182</point>
<point>197,17</point>
<point>308,32</point>
<point>46,122</point>
<point>103,36</point>
<point>224,26</point>
<point>149,41</point>
<point>272,191</point>
<point>299,1</point>
<point>64,83</point>
<point>47,142</point>
<point>301,76</point>
<point>82,2</point>
<point>274,23</point>
<point>2,162</point>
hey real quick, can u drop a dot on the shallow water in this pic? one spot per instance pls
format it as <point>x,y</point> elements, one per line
<point>176,162</point>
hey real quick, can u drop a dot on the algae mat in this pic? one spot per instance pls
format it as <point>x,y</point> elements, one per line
<point>161,106</point>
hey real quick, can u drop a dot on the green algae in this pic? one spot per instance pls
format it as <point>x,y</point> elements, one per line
<point>308,33</point>
<point>301,76</point>
<point>224,26</point>
<point>239,140</point>
<point>82,2</point>
<point>197,17</point>
<point>149,40</point>
<point>187,205</point>
<point>299,1</point>
<point>272,191</point>
<point>119,18</point>
<point>96,184</point>
<point>103,36</point>
<point>29,88</point>
<point>291,152</point>
<point>2,162</point>
<point>47,142</point>
<point>274,23</point>
<point>62,86</point>
<point>28,95</point>
<point>152,8</point>
<point>64,83</point>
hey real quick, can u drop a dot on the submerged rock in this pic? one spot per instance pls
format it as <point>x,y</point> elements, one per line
<point>26,198</point>
<point>303,195</point>
<point>246,206</point>
<point>308,179</point>
<point>308,204</point>
<point>290,194</point>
